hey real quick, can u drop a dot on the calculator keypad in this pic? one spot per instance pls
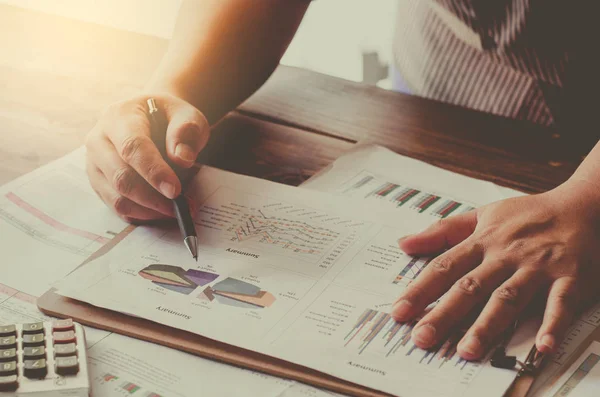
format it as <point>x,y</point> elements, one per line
<point>33,351</point>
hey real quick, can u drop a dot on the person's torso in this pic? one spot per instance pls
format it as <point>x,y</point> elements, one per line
<point>506,57</point>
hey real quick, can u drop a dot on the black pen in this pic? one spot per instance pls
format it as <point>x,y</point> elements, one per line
<point>182,210</point>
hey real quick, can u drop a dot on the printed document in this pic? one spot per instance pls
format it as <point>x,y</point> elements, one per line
<point>368,171</point>
<point>583,377</point>
<point>50,221</point>
<point>296,274</point>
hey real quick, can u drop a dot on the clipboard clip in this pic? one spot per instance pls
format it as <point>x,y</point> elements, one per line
<point>500,359</point>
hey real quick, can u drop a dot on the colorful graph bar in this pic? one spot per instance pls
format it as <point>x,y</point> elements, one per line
<point>362,182</point>
<point>424,202</point>
<point>130,387</point>
<point>109,377</point>
<point>412,269</point>
<point>584,368</point>
<point>405,195</point>
<point>384,189</point>
<point>379,332</point>
<point>446,208</point>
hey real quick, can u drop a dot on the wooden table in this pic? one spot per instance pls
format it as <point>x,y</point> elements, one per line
<point>51,93</point>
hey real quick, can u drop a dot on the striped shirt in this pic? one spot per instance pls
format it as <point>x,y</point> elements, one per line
<point>506,57</point>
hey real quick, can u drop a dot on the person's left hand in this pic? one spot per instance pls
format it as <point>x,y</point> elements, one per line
<point>507,252</point>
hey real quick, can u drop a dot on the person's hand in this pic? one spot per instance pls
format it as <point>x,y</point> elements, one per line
<point>506,253</point>
<point>124,165</point>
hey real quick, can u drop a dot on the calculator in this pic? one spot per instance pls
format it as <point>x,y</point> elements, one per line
<point>43,359</point>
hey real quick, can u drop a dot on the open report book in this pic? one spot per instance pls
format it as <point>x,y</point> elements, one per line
<point>302,275</point>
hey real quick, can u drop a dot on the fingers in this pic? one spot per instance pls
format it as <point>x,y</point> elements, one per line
<point>436,278</point>
<point>130,136</point>
<point>558,316</point>
<point>501,311</point>
<point>467,293</point>
<point>444,234</point>
<point>126,209</point>
<point>187,133</point>
<point>125,180</point>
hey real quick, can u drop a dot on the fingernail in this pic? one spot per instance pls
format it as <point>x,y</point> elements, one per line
<point>185,152</point>
<point>548,341</point>
<point>471,345</point>
<point>167,189</point>
<point>401,309</point>
<point>404,238</point>
<point>424,335</point>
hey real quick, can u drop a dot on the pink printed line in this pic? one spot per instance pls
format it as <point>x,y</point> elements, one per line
<point>6,290</point>
<point>53,222</point>
<point>22,296</point>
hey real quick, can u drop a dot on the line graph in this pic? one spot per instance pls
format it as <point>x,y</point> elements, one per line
<point>238,221</point>
<point>285,233</point>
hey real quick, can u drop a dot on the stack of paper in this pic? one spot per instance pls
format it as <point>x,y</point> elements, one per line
<point>307,278</point>
<point>304,276</point>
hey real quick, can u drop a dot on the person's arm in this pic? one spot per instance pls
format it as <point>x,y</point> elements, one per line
<point>503,255</point>
<point>221,52</point>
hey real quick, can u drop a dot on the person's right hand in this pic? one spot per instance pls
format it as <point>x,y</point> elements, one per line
<point>126,168</point>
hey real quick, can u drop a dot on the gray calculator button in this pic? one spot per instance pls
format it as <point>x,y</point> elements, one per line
<point>33,340</point>
<point>9,368</point>
<point>8,355</point>
<point>34,352</point>
<point>8,342</point>
<point>35,369</point>
<point>67,365</point>
<point>8,383</point>
<point>33,328</point>
<point>69,349</point>
<point>8,330</point>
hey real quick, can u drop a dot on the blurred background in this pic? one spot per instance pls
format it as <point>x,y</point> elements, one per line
<point>62,61</point>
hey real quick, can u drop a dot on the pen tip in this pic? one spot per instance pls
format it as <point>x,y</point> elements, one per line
<point>191,242</point>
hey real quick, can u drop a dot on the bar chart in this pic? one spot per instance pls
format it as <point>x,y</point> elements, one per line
<point>378,333</point>
<point>398,195</point>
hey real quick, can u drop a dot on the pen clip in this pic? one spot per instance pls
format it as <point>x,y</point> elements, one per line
<point>500,359</point>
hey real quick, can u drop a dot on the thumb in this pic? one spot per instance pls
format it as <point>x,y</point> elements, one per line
<point>187,133</point>
<point>444,234</point>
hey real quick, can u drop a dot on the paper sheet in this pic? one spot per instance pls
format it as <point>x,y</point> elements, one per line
<point>583,377</point>
<point>50,221</point>
<point>302,276</point>
<point>382,176</point>
<point>368,170</point>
